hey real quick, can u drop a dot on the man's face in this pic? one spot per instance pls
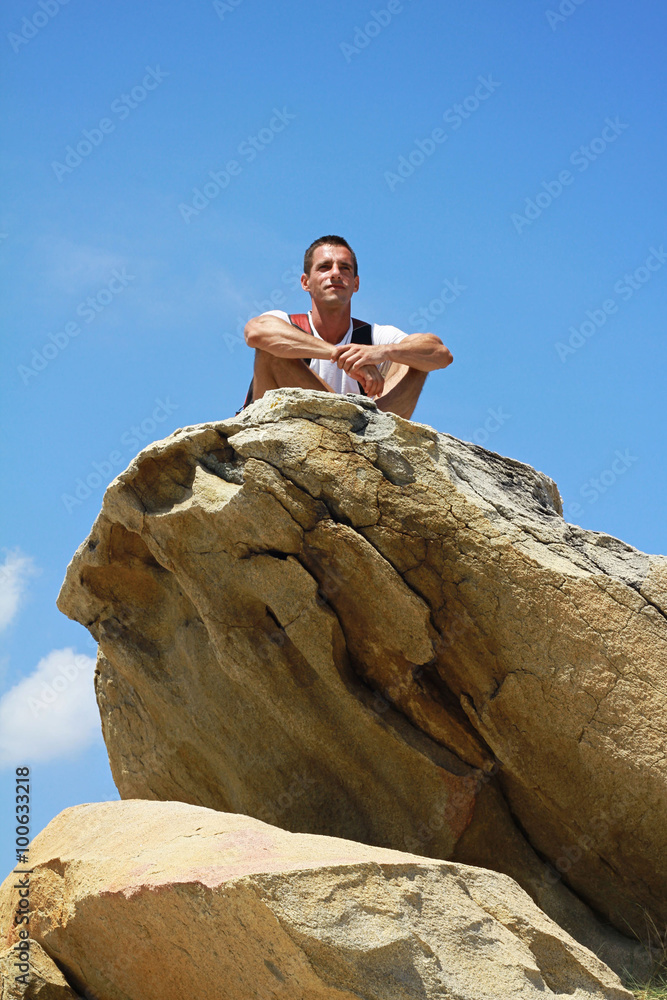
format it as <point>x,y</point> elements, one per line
<point>331,279</point>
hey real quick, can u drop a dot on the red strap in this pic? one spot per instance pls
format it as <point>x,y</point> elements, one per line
<point>301,320</point>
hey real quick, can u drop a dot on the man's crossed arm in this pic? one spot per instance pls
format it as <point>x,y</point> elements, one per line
<point>423,351</point>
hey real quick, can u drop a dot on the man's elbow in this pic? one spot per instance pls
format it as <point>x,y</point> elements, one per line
<point>252,331</point>
<point>445,356</point>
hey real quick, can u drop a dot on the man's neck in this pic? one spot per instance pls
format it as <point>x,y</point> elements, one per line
<point>332,326</point>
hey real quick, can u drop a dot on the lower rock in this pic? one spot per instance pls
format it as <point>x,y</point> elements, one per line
<point>140,900</point>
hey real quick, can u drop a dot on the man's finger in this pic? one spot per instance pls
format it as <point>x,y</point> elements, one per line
<point>373,382</point>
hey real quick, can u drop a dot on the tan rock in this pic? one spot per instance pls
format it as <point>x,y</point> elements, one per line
<point>161,900</point>
<point>346,623</point>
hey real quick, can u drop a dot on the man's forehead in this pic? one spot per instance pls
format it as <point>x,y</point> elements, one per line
<point>327,252</point>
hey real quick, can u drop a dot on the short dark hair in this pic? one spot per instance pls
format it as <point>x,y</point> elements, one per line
<point>336,241</point>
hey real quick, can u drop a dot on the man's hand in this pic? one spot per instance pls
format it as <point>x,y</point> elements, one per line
<point>360,362</point>
<point>350,356</point>
<point>370,379</point>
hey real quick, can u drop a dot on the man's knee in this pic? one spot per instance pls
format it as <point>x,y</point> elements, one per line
<point>262,358</point>
<point>417,379</point>
<point>403,395</point>
<point>411,379</point>
<point>404,373</point>
<point>271,371</point>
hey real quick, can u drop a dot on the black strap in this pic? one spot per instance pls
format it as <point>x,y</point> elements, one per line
<point>362,333</point>
<point>248,397</point>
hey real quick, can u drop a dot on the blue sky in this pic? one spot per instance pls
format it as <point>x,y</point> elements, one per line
<point>498,168</point>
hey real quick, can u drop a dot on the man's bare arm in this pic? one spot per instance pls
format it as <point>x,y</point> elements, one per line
<point>276,336</point>
<point>423,351</point>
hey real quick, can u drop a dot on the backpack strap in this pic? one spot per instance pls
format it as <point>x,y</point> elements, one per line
<point>248,397</point>
<point>301,321</point>
<point>362,333</point>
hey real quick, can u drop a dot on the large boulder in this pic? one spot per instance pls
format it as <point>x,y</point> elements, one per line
<point>160,901</point>
<point>347,623</point>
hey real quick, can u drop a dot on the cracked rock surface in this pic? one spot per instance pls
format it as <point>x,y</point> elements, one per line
<point>347,623</point>
<point>140,900</point>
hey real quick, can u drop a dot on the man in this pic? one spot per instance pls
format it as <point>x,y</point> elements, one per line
<point>391,368</point>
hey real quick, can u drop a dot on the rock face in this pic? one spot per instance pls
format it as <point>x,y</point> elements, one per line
<point>346,623</point>
<point>160,901</point>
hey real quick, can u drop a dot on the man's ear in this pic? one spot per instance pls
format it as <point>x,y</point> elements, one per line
<point>356,283</point>
<point>304,281</point>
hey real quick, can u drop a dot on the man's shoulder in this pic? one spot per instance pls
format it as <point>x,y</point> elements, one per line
<point>280,313</point>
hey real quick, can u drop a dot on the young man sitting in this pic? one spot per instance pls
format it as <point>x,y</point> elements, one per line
<point>328,350</point>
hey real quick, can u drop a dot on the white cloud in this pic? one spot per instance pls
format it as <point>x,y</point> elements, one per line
<point>14,573</point>
<point>52,713</point>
